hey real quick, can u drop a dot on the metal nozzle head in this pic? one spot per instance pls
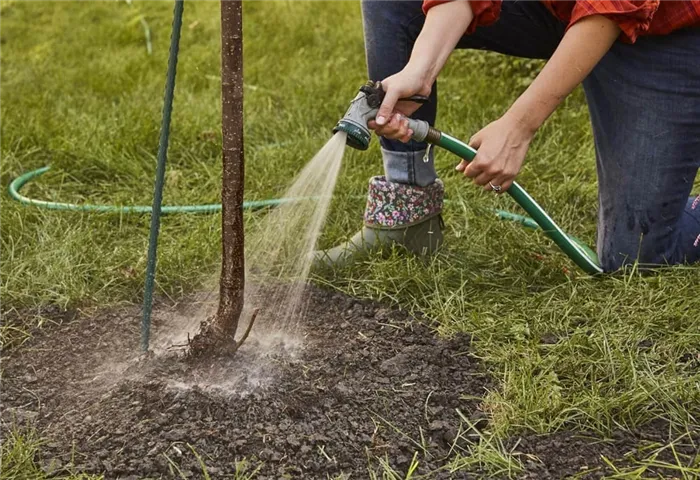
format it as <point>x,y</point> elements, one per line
<point>358,137</point>
<point>363,108</point>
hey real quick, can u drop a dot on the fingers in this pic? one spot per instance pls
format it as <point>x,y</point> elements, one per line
<point>500,151</point>
<point>492,176</point>
<point>396,128</point>
<point>488,172</point>
<point>474,142</point>
<point>484,170</point>
<point>481,169</point>
<point>495,182</point>
<point>505,185</point>
<point>406,138</point>
<point>384,115</point>
<point>473,169</point>
<point>505,180</point>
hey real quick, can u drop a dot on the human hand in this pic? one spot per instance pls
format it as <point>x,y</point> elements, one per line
<point>391,121</point>
<point>501,149</point>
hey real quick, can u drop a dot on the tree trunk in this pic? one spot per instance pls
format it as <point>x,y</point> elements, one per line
<point>232,281</point>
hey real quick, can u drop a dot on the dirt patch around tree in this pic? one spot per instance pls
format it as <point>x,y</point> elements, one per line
<point>350,384</point>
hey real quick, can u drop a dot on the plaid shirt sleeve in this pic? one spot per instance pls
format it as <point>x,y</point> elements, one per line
<point>485,12</point>
<point>633,17</point>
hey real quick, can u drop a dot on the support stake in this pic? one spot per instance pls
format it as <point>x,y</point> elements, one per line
<point>160,174</point>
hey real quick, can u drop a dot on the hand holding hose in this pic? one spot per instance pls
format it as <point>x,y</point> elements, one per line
<point>391,121</point>
<point>501,148</point>
<point>502,145</point>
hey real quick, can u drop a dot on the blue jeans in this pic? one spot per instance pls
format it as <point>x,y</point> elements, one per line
<point>644,103</point>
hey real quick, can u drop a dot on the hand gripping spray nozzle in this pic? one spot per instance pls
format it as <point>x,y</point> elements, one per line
<point>364,107</point>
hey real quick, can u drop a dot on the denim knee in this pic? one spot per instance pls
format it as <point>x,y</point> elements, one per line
<point>635,236</point>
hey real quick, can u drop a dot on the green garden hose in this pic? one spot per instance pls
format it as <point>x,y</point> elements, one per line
<point>576,250</point>
<point>18,183</point>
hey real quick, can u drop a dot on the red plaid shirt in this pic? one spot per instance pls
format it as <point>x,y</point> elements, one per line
<point>635,18</point>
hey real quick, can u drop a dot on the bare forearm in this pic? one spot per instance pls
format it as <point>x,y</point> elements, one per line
<point>444,25</point>
<point>582,47</point>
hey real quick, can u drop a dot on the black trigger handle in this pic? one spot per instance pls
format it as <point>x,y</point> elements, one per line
<point>416,98</point>
<point>374,95</point>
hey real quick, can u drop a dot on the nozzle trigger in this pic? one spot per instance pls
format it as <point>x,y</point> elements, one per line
<point>416,98</point>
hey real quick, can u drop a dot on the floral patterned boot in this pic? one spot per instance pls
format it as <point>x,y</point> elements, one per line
<point>396,214</point>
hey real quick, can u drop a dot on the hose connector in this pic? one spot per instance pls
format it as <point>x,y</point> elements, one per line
<point>423,132</point>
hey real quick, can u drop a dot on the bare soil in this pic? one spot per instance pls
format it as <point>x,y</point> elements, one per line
<point>353,382</point>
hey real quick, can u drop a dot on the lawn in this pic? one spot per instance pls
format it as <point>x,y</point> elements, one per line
<point>566,352</point>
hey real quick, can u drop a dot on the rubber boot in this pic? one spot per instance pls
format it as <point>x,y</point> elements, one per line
<point>396,214</point>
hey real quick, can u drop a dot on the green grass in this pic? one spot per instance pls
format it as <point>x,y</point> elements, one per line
<point>81,92</point>
<point>20,451</point>
<point>243,470</point>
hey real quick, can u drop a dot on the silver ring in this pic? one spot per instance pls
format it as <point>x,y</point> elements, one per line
<point>495,188</point>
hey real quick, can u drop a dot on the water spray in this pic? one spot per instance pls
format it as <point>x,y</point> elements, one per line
<point>364,107</point>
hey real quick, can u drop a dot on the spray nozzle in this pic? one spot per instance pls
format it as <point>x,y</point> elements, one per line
<point>363,108</point>
<point>375,95</point>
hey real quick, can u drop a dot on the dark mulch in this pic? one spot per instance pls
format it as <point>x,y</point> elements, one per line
<point>20,325</point>
<point>354,382</point>
<point>565,454</point>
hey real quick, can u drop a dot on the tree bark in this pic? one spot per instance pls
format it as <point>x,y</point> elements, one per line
<point>231,287</point>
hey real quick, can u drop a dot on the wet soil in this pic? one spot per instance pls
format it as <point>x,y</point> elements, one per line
<point>352,384</point>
